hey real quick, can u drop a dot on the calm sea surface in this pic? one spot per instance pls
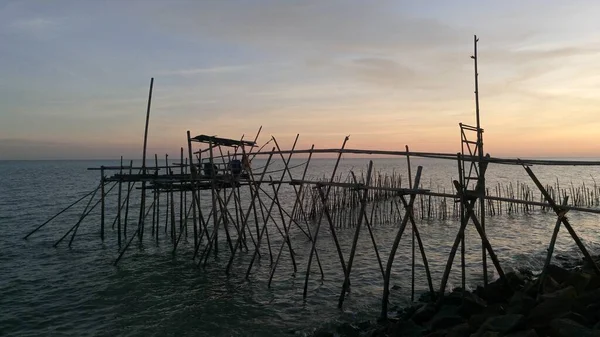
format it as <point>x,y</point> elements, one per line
<point>47,291</point>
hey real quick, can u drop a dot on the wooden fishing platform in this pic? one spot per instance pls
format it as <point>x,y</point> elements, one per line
<point>215,197</point>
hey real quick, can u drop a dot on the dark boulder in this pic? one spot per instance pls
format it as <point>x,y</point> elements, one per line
<point>424,313</point>
<point>549,309</point>
<point>557,273</point>
<point>520,303</point>
<point>502,324</point>
<point>471,304</point>
<point>348,330</point>
<point>564,327</point>
<point>523,333</point>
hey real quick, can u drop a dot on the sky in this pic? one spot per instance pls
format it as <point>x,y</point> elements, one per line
<point>74,75</point>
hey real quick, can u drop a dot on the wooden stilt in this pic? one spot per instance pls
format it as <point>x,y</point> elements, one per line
<point>316,235</point>
<point>363,206</point>
<point>388,269</point>
<point>558,210</point>
<point>103,207</point>
<point>119,203</point>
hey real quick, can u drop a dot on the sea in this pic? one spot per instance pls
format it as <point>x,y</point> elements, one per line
<point>154,290</point>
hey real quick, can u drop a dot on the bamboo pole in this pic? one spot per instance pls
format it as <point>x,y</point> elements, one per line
<point>119,204</point>
<point>129,187</point>
<point>551,246</point>
<point>76,227</point>
<point>253,195</point>
<point>388,270</point>
<point>83,214</point>
<point>419,242</point>
<point>314,243</point>
<point>297,205</point>
<point>558,210</point>
<point>265,229</point>
<point>195,198</point>
<point>59,213</point>
<point>137,233</point>
<point>412,242</point>
<point>103,206</point>
<point>363,206</point>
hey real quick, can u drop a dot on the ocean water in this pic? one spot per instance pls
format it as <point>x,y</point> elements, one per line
<point>56,291</point>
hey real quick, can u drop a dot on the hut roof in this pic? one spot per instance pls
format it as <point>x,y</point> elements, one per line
<point>222,141</point>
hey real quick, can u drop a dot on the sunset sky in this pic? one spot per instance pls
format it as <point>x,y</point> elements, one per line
<point>74,75</point>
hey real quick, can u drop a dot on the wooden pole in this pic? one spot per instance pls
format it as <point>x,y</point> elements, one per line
<point>315,237</point>
<point>462,217</point>
<point>129,187</point>
<point>143,197</point>
<point>181,205</point>
<point>388,269</point>
<point>412,242</point>
<point>193,177</point>
<point>363,205</point>
<point>297,203</point>
<point>119,203</point>
<point>558,210</point>
<point>59,213</point>
<point>551,246</point>
<point>103,204</point>
<point>481,181</point>
<point>253,186</point>
<point>146,127</point>
<point>137,232</point>
<point>157,201</point>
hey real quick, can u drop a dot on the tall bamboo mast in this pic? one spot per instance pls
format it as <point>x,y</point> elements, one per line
<point>481,192</point>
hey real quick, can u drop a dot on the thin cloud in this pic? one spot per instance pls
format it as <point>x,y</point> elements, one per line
<point>37,27</point>
<point>207,70</point>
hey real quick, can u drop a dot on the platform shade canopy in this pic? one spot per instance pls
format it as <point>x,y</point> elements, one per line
<point>216,141</point>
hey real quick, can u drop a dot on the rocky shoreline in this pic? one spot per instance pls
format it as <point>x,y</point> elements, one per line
<point>565,303</point>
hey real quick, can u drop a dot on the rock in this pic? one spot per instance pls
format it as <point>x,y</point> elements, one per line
<point>587,265</point>
<point>435,334</point>
<point>568,292</point>
<point>408,312</point>
<point>557,273</point>
<point>348,330</point>
<point>322,333</point>
<point>526,273</point>
<point>523,333</point>
<point>515,280</point>
<point>576,317</point>
<point>471,304</point>
<point>406,328</point>
<point>446,317</point>
<point>476,320</point>
<point>503,324</point>
<point>453,298</point>
<point>497,291</point>
<point>459,330</point>
<point>531,288</point>
<point>579,281</point>
<point>486,334</point>
<point>445,321</point>
<point>364,326</point>
<point>564,327</point>
<point>396,287</point>
<point>520,303</point>
<point>428,296</point>
<point>549,309</point>
<point>424,313</point>
<point>589,297</point>
<point>549,285</point>
<point>594,282</point>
